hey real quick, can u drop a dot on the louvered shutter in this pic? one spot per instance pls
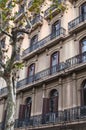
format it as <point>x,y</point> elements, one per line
<point>45,109</point>
<point>82,96</point>
<point>55,99</point>
<point>4,119</point>
<point>22,112</point>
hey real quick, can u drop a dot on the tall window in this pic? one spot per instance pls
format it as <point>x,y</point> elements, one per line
<point>83,94</point>
<point>54,61</point>
<point>25,110</point>
<point>83,8</point>
<point>31,72</point>
<point>83,45</point>
<point>53,103</point>
<point>55,28</point>
<point>33,42</point>
<point>83,11</point>
<point>28,107</point>
<point>3,43</point>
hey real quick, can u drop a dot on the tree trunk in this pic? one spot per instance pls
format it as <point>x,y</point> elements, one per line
<point>11,103</point>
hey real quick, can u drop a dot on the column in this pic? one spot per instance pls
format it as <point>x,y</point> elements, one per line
<point>74,90</point>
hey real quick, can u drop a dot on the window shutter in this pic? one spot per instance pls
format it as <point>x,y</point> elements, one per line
<point>55,104</point>
<point>82,96</point>
<point>45,109</point>
<point>22,112</point>
<point>4,119</point>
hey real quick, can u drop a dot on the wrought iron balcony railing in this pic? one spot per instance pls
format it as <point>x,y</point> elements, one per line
<point>76,114</point>
<point>81,58</point>
<point>41,75</point>
<point>68,115</point>
<point>74,61</point>
<point>35,20</point>
<point>74,23</point>
<point>44,41</point>
<point>51,9</point>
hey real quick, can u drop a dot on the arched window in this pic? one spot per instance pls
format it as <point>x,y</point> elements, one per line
<point>53,101</point>
<point>33,42</point>
<point>31,72</point>
<point>83,45</point>
<point>54,61</point>
<point>55,28</point>
<point>83,94</point>
<point>25,110</point>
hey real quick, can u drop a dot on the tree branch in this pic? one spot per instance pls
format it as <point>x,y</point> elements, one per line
<point>1,73</point>
<point>6,33</point>
<point>22,30</point>
<point>2,64</point>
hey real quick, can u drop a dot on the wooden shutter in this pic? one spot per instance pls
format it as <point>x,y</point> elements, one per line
<point>55,99</point>
<point>45,109</point>
<point>4,119</point>
<point>22,110</point>
<point>82,96</point>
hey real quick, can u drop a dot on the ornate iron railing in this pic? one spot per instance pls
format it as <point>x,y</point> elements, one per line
<point>35,20</point>
<point>60,117</point>
<point>52,8</point>
<point>74,61</point>
<point>76,21</point>
<point>44,41</point>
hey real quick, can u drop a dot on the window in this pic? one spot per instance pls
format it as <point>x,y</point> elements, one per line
<point>53,102</point>
<point>50,107</point>
<point>54,61</point>
<point>83,94</point>
<point>83,45</point>
<point>25,110</point>
<point>83,11</point>
<point>31,72</point>
<point>34,40</point>
<point>3,43</point>
<point>83,8</point>
<point>55,28</point>
<point>28,107</point>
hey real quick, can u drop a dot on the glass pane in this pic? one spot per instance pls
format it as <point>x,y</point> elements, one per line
<point>83,45</point>
<point>31,70</point>
<point>54,59</point>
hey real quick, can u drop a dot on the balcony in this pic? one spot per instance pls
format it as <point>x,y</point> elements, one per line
<point>77,63</point>
<point>52,11</point>
<point>72,115</point>
<point>19,14</point>
<point>77,24</point>
<point>37,21</point>
<point>45,42</point>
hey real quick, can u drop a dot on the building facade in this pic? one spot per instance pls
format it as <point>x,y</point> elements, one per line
<point>51,89</point>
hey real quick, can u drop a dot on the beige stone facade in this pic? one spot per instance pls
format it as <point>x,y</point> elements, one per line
<point>51,89</point>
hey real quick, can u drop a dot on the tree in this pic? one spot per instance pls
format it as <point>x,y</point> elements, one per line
<point>8,66</point>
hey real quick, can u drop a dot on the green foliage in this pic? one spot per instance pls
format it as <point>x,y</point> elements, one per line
<point>18,65</point>
<point>36,5</point>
